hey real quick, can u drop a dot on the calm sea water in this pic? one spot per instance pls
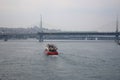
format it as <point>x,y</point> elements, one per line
<point>78,60</point>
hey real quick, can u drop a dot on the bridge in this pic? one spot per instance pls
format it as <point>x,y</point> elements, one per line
<point>41,36</point>
<point>79,35</point>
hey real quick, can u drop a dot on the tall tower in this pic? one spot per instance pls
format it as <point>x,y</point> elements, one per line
<point>117,30</point>
<point>117,24</point>
<point>41,30</point>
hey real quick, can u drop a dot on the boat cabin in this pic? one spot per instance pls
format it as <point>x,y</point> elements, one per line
<point>51,47</point>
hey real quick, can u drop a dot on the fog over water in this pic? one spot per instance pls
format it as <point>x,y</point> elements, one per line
<point>78,60</point>
<point>68,15</point>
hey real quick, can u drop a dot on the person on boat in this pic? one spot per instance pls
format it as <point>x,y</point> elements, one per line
<point>51,47</point>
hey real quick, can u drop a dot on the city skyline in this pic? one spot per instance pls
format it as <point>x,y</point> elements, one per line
<point>67,15</point>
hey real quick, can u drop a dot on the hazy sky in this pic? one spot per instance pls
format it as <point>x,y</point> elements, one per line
<point>70,15</point>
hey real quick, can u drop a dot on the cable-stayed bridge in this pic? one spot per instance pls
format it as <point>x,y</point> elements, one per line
<point>78,35</point>
<point>41,36</point>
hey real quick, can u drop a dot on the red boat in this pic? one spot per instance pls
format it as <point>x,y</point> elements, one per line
<point>51,50</point>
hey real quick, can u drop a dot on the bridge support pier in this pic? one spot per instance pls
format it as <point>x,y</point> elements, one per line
<point>41,37</point>
<point>117,37</point>
<point>5,37</point>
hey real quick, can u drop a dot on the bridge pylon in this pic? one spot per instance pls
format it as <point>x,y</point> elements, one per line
<point>117,31</point>
<point>41,31</point>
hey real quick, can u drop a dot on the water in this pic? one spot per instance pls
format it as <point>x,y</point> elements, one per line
<point>78,60</point>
